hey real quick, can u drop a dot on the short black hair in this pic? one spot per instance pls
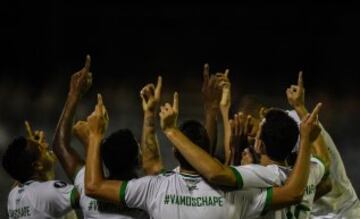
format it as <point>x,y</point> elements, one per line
<point>279,134</point>
<point>120,152</point>
<point>18,159</point>
<point>196,132</point>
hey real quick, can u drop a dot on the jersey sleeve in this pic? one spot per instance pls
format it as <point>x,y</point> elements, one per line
<point>253,203</point>
<point>56,197</point>
<point>79,180</point>
<point>317,169</point>
<point>138,193</point>
<point>254,176</point>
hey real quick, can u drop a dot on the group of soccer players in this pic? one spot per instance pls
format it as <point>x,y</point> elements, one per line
<point>276,163</point>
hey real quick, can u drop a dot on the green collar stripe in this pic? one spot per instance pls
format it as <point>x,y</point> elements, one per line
<point>122,192</point>
<point>74,198</point>
<point>239,180</point>
<point>269,193</point>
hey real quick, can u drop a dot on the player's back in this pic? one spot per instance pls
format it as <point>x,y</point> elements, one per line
<point>277,175</point>
<point>37,200</point>
<point>95,209</point>
<point>179,195</point>
<point>342,200</point>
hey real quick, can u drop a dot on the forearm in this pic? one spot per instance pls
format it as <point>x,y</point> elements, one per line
<point>151,159</point>
<point>96,185</point>
<point>291,193</point>
<point>211,127</point>
<point>227,138</point>
<point>61,142</point>
<point>320,150</point>
<point>300,173</point>
<point>207,166</point>
<point>301,111</point>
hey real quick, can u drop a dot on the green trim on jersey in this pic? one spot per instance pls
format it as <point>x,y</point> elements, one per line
<point>122,192</point>
<point>239,180</point>
<point>74,198</point>
<point>269,193</point>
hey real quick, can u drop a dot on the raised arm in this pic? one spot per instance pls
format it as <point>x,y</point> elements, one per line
<point>296,98</point>
<point>68,157</point>
<point>225,104</point>
<point>210,168</point>
<point>293,190</point>
<point>96,185</point>
<point>211,91</point>
<point>151,159</point>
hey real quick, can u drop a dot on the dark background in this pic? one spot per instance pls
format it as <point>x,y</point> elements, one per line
<point>263,45</point>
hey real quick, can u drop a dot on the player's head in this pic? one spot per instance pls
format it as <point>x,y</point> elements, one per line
<point>25,159</point>
<point>120,152</point>
<point>196,132</point>
<point>277,135</point>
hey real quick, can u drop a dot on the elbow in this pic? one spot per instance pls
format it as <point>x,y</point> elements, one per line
<point>296,197</point>
<point>91,189</point>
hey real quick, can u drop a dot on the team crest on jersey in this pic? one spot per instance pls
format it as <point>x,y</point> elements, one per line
<point>60,184</point>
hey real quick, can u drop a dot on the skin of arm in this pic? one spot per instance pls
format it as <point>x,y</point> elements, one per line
<point>212,91</point>
<point>292,192</point>
<point>151,159</point>
<point>296,98</point>
<point>211,107</point>
<point>210,168</point>
<point>68,157</point>
<point>96,185</point>
<point>225,104</point>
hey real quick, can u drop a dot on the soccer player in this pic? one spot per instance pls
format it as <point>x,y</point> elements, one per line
<point>341,201</point>
<point>186,194</point>
<point>121,161</point>
<point>29,161</point>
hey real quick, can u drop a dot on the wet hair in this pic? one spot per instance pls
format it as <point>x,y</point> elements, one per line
<point>279,134</point>
<point>19,158</point>
<point>120,152</point>
<point>196,132</point>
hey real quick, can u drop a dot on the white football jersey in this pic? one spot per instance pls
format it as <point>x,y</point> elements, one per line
<point>93,208</point>
<point>342,201</point>
<point>178,195</point>
<point>276,175</point>
<point>37,200</point>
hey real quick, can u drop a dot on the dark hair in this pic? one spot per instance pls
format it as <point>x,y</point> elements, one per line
<point>18,159</point>
<point>120,152</point>
<point>196,132</point>
<point>279,134</point>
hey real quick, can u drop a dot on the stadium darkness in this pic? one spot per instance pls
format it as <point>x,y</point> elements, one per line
<point>263,45</point>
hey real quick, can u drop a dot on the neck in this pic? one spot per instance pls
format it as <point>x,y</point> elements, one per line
<point>266,160</point>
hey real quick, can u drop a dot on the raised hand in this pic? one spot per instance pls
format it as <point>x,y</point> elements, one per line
<point>98,120</point>
<point>168,114</point>
<point>309,127</point>
<point>211,88</point>
<point>82,132</point>
<point>150,96</point>
<point>37,135</point>
<point>225,101</point>
<point>81,81</point>
<point>296,93</point>
<point>241,127</point>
